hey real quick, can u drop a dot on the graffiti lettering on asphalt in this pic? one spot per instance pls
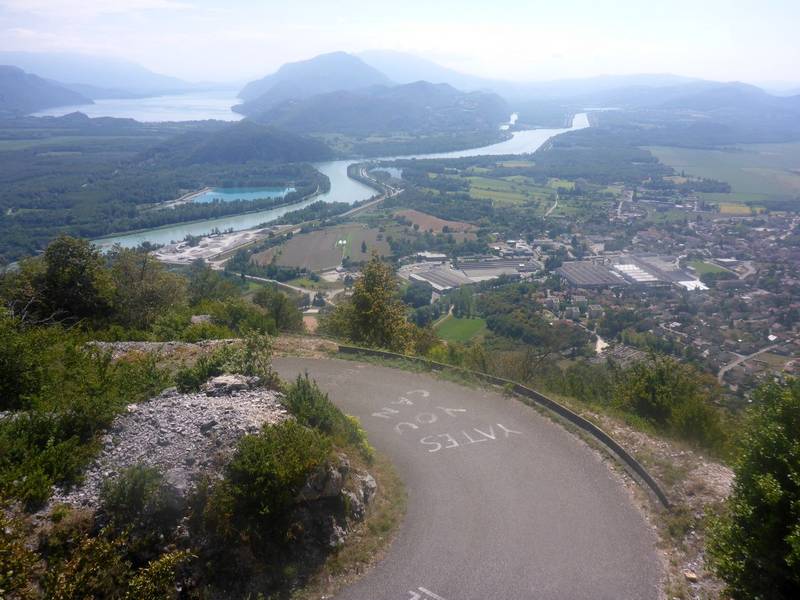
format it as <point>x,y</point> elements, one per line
<point>446,441</point>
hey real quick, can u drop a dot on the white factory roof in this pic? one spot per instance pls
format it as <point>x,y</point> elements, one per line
<point>636,273</point>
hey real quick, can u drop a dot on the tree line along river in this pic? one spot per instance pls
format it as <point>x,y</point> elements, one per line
<point>343,189</point>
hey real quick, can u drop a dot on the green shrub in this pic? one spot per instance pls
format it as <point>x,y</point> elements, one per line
<point>673,398</point>
<point>268,470</point>
<point>196,332</point>
<point>157,580</point>
<point>99,568</point>
<point>755,547</point>
<point>140,503</point>
<point>312,407</point>
<point>16,560</point>
<point>96,569</point>
<point>189,379</point>
<point>253,357</point>
<point>72,394</point>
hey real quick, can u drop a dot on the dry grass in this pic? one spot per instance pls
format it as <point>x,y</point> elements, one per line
<point>428,222</point>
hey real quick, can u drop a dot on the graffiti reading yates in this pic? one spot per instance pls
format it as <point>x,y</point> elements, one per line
<point>439,414</point>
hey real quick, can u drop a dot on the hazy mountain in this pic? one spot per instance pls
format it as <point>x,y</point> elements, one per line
<point>238,143</point>
<point>319,75</point>
<point>107,73</point>
<point>419,107</point>
<point>23,93</point>
<point>732,96</point>
<point>98,93</point>
<point>401,67</point>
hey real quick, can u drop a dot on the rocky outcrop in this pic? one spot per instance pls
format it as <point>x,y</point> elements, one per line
<point>183,435</point>
<point>332,499</point>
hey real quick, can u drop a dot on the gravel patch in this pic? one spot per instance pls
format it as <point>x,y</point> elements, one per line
<point>183,435</point>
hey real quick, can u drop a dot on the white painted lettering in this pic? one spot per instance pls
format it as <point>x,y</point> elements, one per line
<point>399,427</point>
<point>424,441</point>
<point>430,594</point>
<point>449,439</point>
<point>386,413</point>
<point>508,431</point>
<point>423,393</point>
<point>491,435</point>
<point>427,418</point>
<point>451,411</point>
<point>471,441</point>
<point>403,400</point>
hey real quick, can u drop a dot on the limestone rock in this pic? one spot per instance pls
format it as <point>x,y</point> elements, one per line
<point>225,385</point>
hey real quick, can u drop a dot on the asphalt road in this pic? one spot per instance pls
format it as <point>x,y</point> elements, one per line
<point>503,503</point>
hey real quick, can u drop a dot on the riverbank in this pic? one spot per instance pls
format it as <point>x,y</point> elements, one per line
<point>342,188</point>
<point>185,199</point>
<point>202,227</point>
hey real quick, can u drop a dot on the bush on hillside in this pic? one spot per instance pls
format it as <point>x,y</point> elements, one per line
<point>755,548</point>
<point>312,407</point>
<point>263,478</point>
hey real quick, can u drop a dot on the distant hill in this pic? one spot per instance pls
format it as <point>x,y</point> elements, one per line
<point>402,67</point>
<point>319,75</point>
<point>98,72</point>
<point>735,96</point>
<point>23,93</point>
<point>419,108</point>
<point>239,143</point>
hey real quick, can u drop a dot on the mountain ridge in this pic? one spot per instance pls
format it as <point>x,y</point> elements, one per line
<point>23,93</point>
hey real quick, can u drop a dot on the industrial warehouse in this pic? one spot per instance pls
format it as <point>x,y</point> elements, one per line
<point>641,270</point>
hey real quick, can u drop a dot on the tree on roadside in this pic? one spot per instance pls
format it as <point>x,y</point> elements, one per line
<point>755,547</point>
<point>279,307</point>
<point>374,315</point>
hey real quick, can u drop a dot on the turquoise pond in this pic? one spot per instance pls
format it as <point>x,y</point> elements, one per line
<point>233,194</point>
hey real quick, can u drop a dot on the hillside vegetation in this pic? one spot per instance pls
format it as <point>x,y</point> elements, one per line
<point>419,108</point>
<point>22,93</point>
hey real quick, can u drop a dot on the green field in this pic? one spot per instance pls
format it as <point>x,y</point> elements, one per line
<point>702,267</point>
<point>454,329</point>
<point>755,172</point>
<point>509,190</point>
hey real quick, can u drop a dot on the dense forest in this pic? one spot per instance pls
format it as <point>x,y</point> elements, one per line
<point>93,177</point>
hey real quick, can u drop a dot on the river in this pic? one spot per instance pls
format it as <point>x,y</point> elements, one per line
<point>343,188</point>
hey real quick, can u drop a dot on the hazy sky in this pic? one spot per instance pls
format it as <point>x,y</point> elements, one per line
<point>231,40</point>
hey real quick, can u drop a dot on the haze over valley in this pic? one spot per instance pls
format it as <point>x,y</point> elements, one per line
<point>443,301</point>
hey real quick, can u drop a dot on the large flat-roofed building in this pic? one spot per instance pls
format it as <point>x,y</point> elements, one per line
<point>638,270</point>
<point>441,278</point>
<point>588,274</point>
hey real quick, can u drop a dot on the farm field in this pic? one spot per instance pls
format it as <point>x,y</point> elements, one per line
<point>756,172</point>
<point>324,249</point>
<point>428,222</point>
<point>731,208</point>
<point>510,191</point>
<point>455,329</point>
